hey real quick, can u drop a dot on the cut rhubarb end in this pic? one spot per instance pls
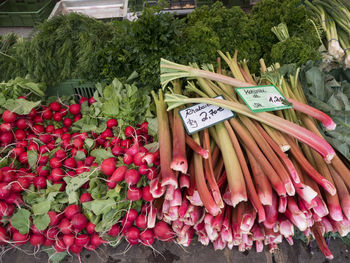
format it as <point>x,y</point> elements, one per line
<point>179,165</point>
<point>328,158</point>
<point>237,198</point>
<point>335,212</point>
<point>290,189</point>
<point>285,148</point>
<point>204,153</point>
<point>265,199</point>
<point>259,246</point>
<point>195,199</point>
<point>170,181</point>
<point>328,186</point>
<point>282,204</point>
<point>320,209</point>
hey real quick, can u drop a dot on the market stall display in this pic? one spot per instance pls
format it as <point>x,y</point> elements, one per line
<point>224,127</point>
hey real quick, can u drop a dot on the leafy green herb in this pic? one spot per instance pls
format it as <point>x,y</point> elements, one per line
<point>20,221</point>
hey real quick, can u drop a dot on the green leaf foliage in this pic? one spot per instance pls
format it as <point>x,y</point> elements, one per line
<point>41,221</point>
<point>20,221</point>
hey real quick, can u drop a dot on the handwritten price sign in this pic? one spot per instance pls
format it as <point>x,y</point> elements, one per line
<point>202,116</point>
<point>263,98</point>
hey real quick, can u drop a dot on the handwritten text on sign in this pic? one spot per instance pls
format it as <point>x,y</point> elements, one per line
<point>201,116</point>
<point>263,98</point>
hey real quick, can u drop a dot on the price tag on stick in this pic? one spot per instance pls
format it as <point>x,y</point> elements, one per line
<point>263,98</point>
<point>202,116</point>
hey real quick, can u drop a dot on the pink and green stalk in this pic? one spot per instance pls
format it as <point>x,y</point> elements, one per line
<point>305,192</point>
<point>184,181</point>
<point>177,198</point>
<point>195,199</point>
<point>171,71</point>
<point>321,208</point>
<point>302,134</point>
<point>248,218</point>
<point>169,192</point>
<point>299,220</point>
<point>167,174</point>
<point>183,208</point>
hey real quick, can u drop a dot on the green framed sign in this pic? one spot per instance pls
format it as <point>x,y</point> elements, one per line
<point>263,98</point>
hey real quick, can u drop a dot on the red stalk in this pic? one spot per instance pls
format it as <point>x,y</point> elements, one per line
<point>262,184</point>
<point>168,175</point>
<point>343,192</point>
<point>282,204</point>
<point>209,172</point>
<point>270,154</point>
<point>202,187</point>
<point>179,160</point>
<point>342,170</point>
<point>251,145</point>
<point>248,218</point>
<point>184,181</point>
<point>271,213</point>
<point>236,230</point>
<point>284,158</point>
<point>316,230</point>
<point>196,147</point>
<point>307,167</point>
<point>252,194</point>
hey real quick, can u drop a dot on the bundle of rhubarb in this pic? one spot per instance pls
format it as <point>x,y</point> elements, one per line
<point>254,177</point>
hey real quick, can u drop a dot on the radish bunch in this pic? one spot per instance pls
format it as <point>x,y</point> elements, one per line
<point>76,189</point>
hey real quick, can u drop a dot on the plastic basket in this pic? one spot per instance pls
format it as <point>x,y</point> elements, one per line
<point>72,87</point>
<point>138,5</point>
<point>25,14</point>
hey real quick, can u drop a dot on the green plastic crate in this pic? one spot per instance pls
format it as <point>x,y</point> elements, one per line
<point>13,14</point>
<point>72,87</point>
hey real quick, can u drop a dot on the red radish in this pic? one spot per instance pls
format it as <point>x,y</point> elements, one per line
<point>92,100</point>
<point>3,209</point>
<point>129,131</point>
<point>9,116</point>
<point>143,169</point>
<point>55,162</point>
<point>36,240</point>
<point>68,240</point>
<point>71,210</point>
<point>35,230</point>
<point>50,128</point>
<point>79,222</point>
<point>125,224</point>
<point>131,215</point>
<point>20,184</point>
<point>57,174</point>
<point>76,250</point>
<point>107,133</point>
<point>60,154</point>
<point>63,185</point>
<point>5,190</point>
<point>55,106</point>
<point>65,129</point>
<point>163,232</point>
<point>8,177</point>
<point>141,221</point>
<point>89,160</point>
<point>111,184</point>
<point>85,197</point>
<point>5,127</point>
<point>66,136</point>
<point>78,143</point>
<point>133,193</point>
<point>70,163</point>
<point>47,115</point>
<point>43,159</point>
<point>96,240</point>
<point>20,239</point>
<point>39,182</point>
<point>147,237</point>
<point>60,246</point>
<point>54,218</point>
<point>125,143</point>
<point>63,112</point>
<point>112,123</point>
<point>82,240</point>
<point>115,230</point>
<point>108,166</point>
<point>45,138</point>
<point>52,233</point>
<point>65,226</point>
<point>90,228</point>
<point>83,99</point>
<point>117,150</point>
<point>22,158</point>
<point>21,124</point>
<point>152,173</point>
<point>74,109</point>
<point>20,135</point>
<point>38,119</point>
<point>3,236</point>
<point>67,122</point>
<point>43,149</point>
<point>132,234</point>
<point>119,174</point>
<point>138,158</point>
<point>48,242</point>
<point>132,177</point>
<point>42,171</point>
<point>146,194</point>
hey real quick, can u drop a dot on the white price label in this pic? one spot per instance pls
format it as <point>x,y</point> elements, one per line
<point>202,116</point>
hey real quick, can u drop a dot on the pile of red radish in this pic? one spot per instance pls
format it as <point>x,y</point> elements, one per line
<point>47,132</point>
